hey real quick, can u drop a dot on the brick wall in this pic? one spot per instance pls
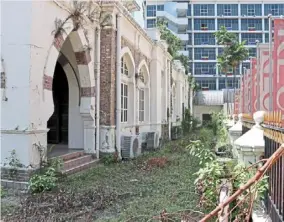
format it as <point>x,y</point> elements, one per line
<point>19,175</point>
<point>108,77</point>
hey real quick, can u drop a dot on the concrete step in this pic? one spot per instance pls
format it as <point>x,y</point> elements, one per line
<point>77,161</point>
<point>80,167</point>
<point>70,156</point>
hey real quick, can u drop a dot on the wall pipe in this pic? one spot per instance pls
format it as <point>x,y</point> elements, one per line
<point>98,87</point>
<point>118,84</point>
<point>169,99</point>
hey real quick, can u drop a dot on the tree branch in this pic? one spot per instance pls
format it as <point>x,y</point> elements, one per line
<point>275,157</point>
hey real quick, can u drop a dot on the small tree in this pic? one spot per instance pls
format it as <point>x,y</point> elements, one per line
<point>174,43</point>
<point>234,53</point>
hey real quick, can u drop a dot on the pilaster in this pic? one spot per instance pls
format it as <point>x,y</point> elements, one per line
<point>250,146</point>
<point>235,132</point>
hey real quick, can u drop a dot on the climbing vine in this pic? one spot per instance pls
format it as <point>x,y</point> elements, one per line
<point>174,43</point>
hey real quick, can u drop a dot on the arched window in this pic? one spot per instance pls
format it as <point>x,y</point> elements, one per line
<point>124,102</point>
<point>124,68</point>
<point>141,105</point>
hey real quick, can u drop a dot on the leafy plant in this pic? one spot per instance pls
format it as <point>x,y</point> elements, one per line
<point>241,175</point>
<point>199,149</point>
<point>2,192</point>
<point>189,123</point>
<point>43,182</point>
<point>175,44</point>
<point>193,84</point>
<point>184,60</point>
<point>108,159</point>
<point>209,178</point>
<point>13,163</point>
<point>47,177</point>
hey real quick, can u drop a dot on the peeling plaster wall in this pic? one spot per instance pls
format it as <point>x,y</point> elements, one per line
<point>16,52</point>
<point>27,43</point>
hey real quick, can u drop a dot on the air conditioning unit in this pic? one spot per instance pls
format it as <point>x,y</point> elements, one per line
<point>130,147</point>
<point>143,140</point>
<point>152,140</point>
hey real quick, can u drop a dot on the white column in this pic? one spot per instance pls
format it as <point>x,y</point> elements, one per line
<point>118,85</point>
<point>235,132</point>
<point>97,73</point>
<point>89,133</point>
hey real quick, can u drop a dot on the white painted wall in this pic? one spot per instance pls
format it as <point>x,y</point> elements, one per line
<point>199,110</point>
<point>28,54</point>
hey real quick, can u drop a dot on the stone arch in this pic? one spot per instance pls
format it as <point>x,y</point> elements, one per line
<point>77,45</point>
<point>129,59</point>
<point>83,62</point>
<point>144,67</point>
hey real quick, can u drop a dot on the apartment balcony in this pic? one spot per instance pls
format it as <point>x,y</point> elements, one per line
<point>182,5</point>
<point>168,16</point>
<point>182,8</point>
<point>183,52</point>
<point>183,37</point>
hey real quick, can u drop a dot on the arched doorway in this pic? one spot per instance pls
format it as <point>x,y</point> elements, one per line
<point>58,122</point>
<point>69,96</point>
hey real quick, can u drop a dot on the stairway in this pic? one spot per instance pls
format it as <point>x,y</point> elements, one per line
<point>76,162</point>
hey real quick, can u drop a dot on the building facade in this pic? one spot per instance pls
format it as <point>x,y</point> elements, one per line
<point>80,80</point>
<point>195,22</point>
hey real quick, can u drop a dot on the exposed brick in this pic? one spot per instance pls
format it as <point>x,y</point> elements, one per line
<point>83,57</point>
<point>88,91</point>
<point>58,42</point>
<point>47,82</point>
<point>108,77</point>
<point>3,80</point>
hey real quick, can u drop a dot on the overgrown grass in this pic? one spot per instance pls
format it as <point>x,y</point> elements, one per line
<point>143,192</point>
<point>133,190</point>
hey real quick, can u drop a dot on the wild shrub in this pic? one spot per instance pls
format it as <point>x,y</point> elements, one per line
<point>47,177</point>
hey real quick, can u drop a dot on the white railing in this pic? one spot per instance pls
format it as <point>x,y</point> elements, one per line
<point>178,21</point>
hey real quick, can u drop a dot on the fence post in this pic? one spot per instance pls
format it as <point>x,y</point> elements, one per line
<point>250,146</point>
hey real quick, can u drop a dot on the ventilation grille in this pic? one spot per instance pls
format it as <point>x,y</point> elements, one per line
<point>152,140</point>
<point>130,147</point>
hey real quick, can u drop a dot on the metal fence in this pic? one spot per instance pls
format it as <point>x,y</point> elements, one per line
<point>273,137</point>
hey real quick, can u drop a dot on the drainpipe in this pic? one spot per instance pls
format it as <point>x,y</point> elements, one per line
<point>118,84</point>
<point>169,98</point>
<point>98,88</point>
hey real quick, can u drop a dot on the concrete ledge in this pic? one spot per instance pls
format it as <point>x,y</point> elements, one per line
<point>260,216</point>
<point>16,185</point>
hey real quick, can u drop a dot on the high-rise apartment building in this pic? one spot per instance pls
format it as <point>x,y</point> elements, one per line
<point>195,22</point>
